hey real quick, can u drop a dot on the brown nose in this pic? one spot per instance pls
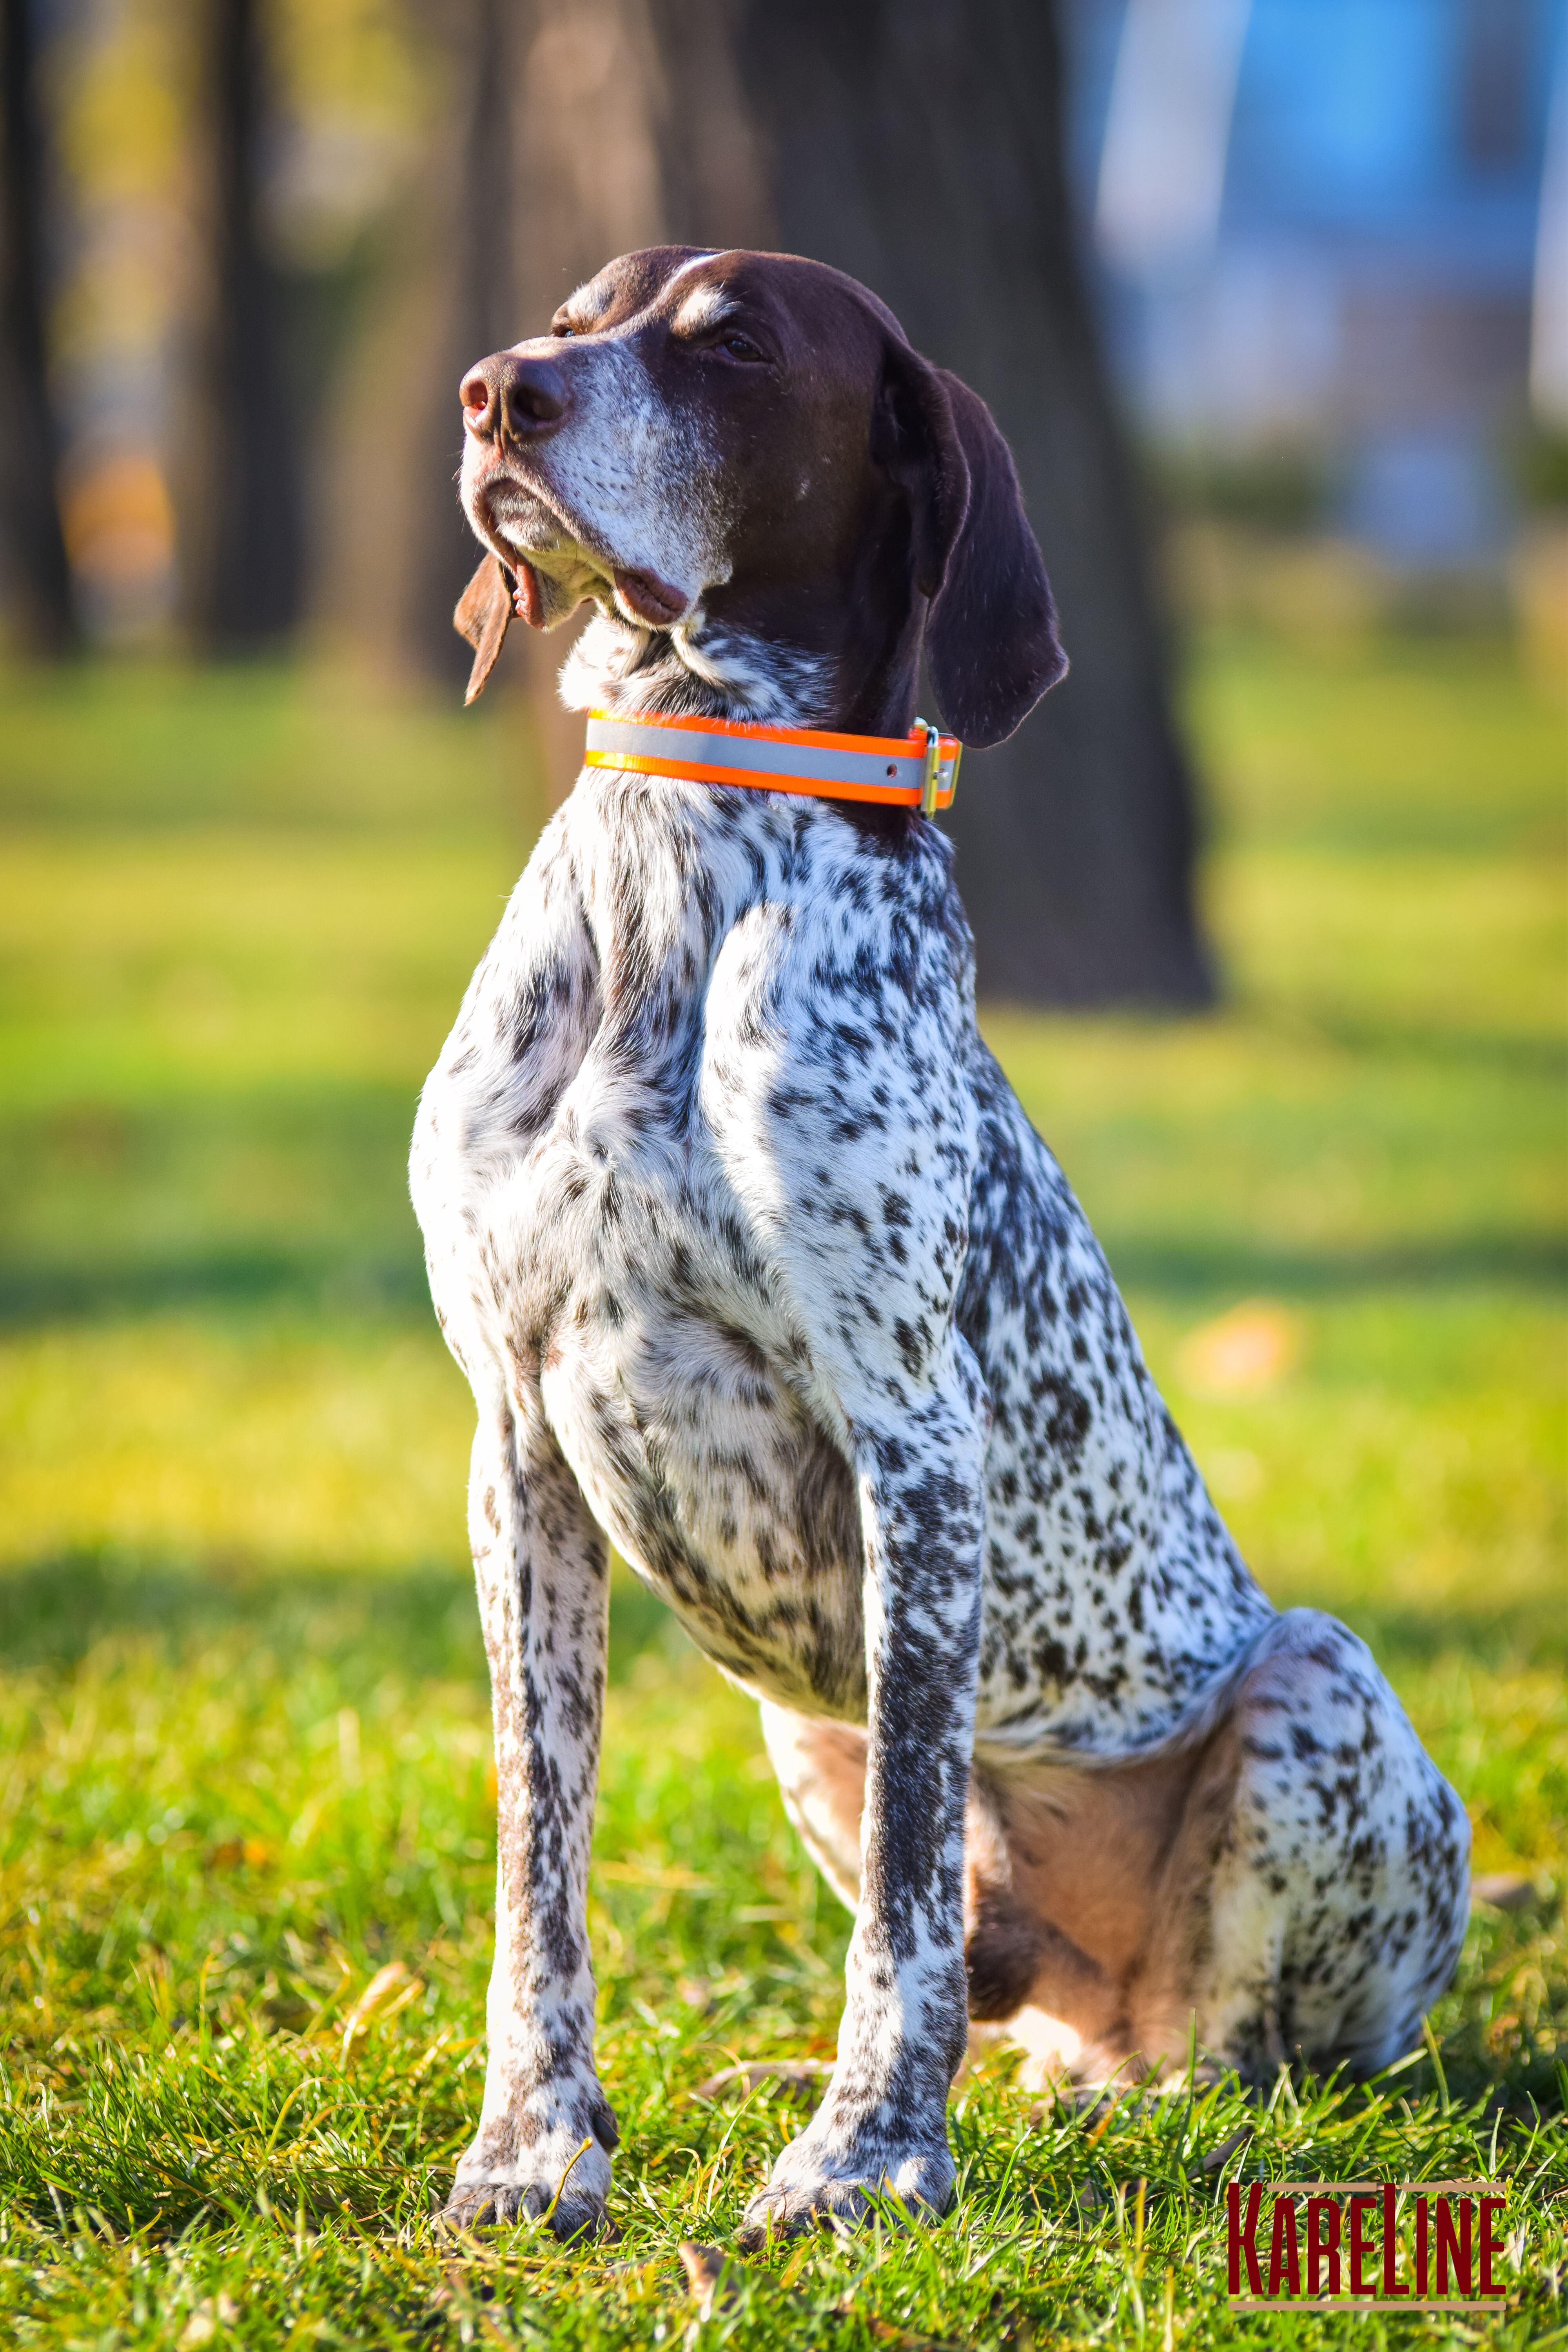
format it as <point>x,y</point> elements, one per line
<point>514,398</point>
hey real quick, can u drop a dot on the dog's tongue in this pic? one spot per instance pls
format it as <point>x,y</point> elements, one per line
<point>527,602</point>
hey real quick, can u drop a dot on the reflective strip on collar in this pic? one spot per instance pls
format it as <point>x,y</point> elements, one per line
<point>890,770</point>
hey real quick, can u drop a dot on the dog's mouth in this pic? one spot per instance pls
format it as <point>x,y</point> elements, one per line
<point>556,565</point>
<point>650,599</point>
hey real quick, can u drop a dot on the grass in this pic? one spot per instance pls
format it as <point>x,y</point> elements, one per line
<point>243,1748</point>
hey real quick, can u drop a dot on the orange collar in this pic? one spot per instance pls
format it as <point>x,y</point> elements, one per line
<point>915,771</point>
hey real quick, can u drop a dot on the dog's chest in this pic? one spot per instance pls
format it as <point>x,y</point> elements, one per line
<point>594,1249</point>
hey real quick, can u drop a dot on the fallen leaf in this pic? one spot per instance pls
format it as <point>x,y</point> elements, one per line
<point>796,2077</point>
<point>1227,2148</point>
<point>1243,1353</point>
<point>390,1989</point>
<point>234,1850</point>
<point>204,2322</point>
<point>708,2275</point>
<point>1504,1890</point>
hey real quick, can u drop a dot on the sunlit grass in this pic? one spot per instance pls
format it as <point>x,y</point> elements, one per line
<point>244,1743</point>
<point>219,1843</point>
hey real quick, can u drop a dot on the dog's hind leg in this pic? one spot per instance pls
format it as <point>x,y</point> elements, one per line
<point>1339,1888</point>
<point>1291,1887</point>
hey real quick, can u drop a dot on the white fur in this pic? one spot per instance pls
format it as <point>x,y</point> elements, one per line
<point>705,308</point>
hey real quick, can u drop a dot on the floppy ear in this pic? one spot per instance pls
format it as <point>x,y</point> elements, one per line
<point>990,634</point>
<point>483,616</point>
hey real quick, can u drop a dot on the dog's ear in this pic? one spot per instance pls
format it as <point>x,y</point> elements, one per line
<point>991,634</point>
<point>483,616</point>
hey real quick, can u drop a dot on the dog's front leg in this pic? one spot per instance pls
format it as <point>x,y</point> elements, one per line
<point>882,2124</point>
<point>545,2128</point>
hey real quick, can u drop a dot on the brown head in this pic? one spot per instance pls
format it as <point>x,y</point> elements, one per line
<point>772,499</point>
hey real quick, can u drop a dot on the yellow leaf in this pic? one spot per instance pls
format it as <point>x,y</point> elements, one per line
<point>1242,1353</point>
<point>390,1989</point>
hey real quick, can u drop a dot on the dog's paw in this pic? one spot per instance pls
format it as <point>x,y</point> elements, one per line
<point>819,2179</point>
<point>569,2198</point>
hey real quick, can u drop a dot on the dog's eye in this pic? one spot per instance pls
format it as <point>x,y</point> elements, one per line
<point>739,346</point>
<point>559,330</point>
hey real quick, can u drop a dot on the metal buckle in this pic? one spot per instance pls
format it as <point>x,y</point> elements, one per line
<point>933,764</point>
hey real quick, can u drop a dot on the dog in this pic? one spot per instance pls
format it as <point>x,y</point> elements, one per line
<point>758,1271</point>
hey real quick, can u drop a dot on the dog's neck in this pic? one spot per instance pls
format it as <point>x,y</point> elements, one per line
<point>844,653</point>
<point>700,670</point>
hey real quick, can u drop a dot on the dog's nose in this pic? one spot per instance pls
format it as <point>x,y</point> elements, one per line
<point>515,398</point>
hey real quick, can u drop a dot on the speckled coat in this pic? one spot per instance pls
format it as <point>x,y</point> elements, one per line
<point>758,1269</point>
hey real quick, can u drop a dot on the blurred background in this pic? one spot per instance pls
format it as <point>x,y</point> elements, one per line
<point>1272,299</point>
<point>1269,296</point>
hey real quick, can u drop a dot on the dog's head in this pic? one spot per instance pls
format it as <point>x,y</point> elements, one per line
<point>769,495</point>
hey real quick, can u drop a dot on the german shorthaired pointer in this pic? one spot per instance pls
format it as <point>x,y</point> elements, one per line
<point>758,1269</point>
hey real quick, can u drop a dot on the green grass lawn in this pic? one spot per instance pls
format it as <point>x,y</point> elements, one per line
<point>244,1745</point>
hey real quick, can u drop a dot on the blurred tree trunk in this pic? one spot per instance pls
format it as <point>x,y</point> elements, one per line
<point>473,300</point>
<point>37,576</point>
<point>922,147</point>
<point>246,558</point>
<point>917,144</point>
